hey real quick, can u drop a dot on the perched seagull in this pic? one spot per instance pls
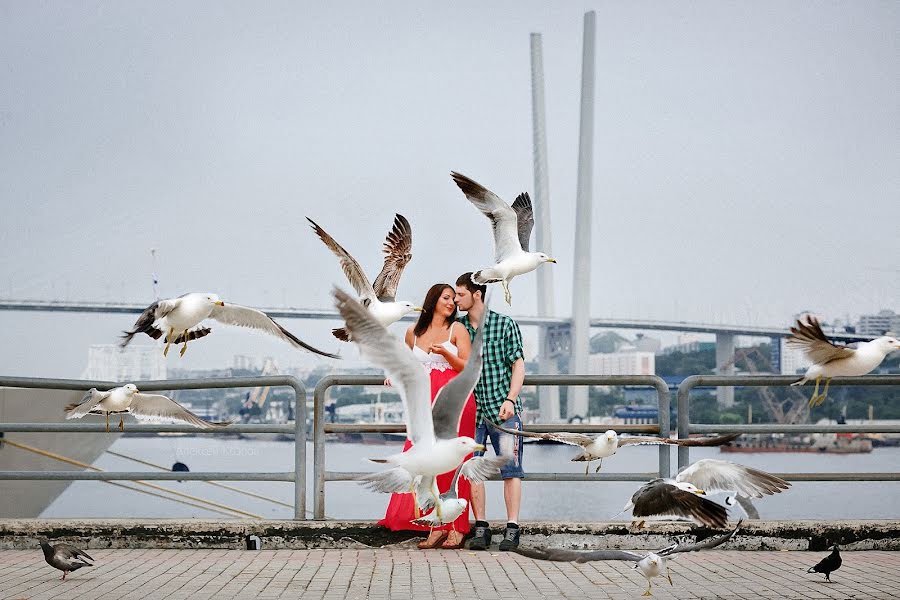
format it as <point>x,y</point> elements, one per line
<point>830,360</point>
<point>179,319</point>
<point>605,445</point>
<point>380,298</point>
<point>432,428</point>
<point>65,557</point>
<point>144,407</point>
<point>681,496</point>
<point>651,565</point>
<point>829,564</point>
<point>512,229</point>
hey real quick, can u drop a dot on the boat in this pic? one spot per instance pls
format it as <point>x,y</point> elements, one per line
<point>843,443</point>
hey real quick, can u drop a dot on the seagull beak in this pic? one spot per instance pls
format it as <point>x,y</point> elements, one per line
<point>701,492</point>
<point>553,260</point>
<point>137,391</point>
<point>480,448</point>
<point>220,303</point>
<point>418,309</point>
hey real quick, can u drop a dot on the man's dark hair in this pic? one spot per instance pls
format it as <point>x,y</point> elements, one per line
<point>466,280</point>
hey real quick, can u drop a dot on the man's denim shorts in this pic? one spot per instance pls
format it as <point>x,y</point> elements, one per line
<point>512,469</point>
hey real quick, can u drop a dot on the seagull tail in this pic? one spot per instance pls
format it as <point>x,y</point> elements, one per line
<point>380,461</point>
<point>485,276</point>
<point>800,381</point>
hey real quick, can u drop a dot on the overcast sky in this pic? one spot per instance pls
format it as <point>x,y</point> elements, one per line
<point>747,156</point>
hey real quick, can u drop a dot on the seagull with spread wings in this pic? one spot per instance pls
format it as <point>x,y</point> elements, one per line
<point>181,319</point>
<point>512,229</point>
<point>605,445</point>
<point>830,360</point>
<point>650,565</point>
<point>144,407</point>
<point>683,496</point>
<point>379,298</point>
<point>433,428</point>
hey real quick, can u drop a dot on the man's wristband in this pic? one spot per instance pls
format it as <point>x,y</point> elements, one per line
<point>513,400</point>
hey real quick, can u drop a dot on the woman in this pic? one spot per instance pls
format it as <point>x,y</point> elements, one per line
<point>442,345</point>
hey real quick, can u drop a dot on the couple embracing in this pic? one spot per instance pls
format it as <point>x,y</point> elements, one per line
<point>442,341</point>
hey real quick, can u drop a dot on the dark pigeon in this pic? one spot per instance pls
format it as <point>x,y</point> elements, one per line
<point>65,557</point>
<point>829,564</point>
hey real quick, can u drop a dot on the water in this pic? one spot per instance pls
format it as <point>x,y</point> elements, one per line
<point>555,501</point>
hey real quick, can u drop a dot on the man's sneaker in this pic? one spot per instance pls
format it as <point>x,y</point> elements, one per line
<point>510,539</point>
<point>481,539</point>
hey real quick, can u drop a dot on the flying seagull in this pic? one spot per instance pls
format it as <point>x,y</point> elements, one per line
<point>650,565</point>
<point>379,298</point>
<point>432,428</point>
<point>144,407</point>
<point>681,497</point>
<point>65,557</point>
<point>179,320</point>
<point>512,229</point>
<point>605,445</point>
<point>829,564</point>
<point>830,360</point>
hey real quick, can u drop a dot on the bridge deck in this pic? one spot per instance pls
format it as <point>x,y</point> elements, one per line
<point>407,573</point>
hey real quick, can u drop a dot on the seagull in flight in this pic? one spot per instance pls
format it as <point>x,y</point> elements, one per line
<point>830,360</point>
<point>605,445</point>
<point>437,447</point>
<point>144,407</point>
<point>512,227</point>
<point>684,495</point>
<point>650,565</point>
<point>379,298</point>
<point>180,319</point>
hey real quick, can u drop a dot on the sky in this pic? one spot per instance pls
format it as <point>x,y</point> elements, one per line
<point>746,157</point>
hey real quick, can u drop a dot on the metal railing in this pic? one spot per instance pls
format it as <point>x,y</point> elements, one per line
<point>298,476</point>
<point>685,427</point>
<point>320,428</point>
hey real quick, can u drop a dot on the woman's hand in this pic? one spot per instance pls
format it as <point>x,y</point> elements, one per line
<point>439,349</point>
<point>387,382</point>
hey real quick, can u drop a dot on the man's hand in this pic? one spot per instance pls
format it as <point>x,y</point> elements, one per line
<point>387,382</point>
<point>507,410</point>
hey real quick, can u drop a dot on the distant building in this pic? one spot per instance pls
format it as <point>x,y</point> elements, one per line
<point>793,361</point>
<point>633,362</point>
<point>687,347</point>
<point>645,343</point>
<point>884,321</point>
<point>109,362</point>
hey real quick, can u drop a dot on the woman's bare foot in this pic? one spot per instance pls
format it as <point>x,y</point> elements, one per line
<point>454,541</point>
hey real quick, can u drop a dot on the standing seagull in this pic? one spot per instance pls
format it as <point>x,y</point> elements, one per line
<point>605,445</point>
<point>65,557</point>
<point>144,407</point>
<point>179,320</point>
<point>830,360</point>
<point>380,298</point>
<point>512,229</point>
<point>829,564</point>
<point>650,565</point>
<point>433,429</point>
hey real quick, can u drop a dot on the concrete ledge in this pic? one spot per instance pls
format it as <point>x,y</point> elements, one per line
<point>16,534</point>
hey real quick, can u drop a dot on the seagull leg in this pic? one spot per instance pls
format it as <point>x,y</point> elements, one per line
<point>122,423</point>
<point>107,422</point>
<point>412,490</point>
<point>648,592</point>
<point>812,401</point>
<point>587,466</point>
<point>168,341</point>
<point>599,466</point>
<point>437,501</point>
<point>506,293</point>
<point>184,348</point>
<point>669,576</point>
<point>824,393</point>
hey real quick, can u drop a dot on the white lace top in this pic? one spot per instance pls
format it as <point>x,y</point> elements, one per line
<point>432,361</point>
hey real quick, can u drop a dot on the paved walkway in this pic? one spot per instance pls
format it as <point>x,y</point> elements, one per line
<point>411,574</point>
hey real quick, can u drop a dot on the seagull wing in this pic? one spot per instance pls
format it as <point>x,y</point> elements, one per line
<point>502,216</point>
<point>715,440</point>
<point>524,218</point>
<point>241,316</point>
<point>707,544</point>
<point>480,468</point>
<point>661,498</point>
<point>397,253</point>
<point>90,400</point>
<point>355,274</point>
<point>451,398</point>
<point>563,437</point>
<point>387,352</point>
<point>393,481</point>
<point>810,338</point>
<point>157,408</point>
<point>714,475</point>
<point>579,556</point>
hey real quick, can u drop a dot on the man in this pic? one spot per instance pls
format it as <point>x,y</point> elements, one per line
<point>497,400</point>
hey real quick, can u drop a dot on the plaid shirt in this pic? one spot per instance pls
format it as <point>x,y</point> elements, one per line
<point>502,347</point>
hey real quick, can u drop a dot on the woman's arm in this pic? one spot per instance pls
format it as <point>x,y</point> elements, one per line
<point>410,338</point>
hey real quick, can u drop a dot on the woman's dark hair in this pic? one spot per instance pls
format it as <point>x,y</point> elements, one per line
<point>431,300</point>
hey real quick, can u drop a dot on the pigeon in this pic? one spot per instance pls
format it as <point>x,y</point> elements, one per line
<point>829,564</point>
<point>180,320</point>
<point>65,557</point>
<point>830,360</point>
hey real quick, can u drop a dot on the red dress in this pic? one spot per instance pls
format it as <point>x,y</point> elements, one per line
<point>400,510</point>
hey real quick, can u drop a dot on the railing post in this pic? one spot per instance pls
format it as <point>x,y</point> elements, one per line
<point>664,403</point>
<point>684,418</point>
<point>319,446</point>
<point>301,417</point>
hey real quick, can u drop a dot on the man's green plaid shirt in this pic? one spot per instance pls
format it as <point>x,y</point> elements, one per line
<point>502,347</point>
